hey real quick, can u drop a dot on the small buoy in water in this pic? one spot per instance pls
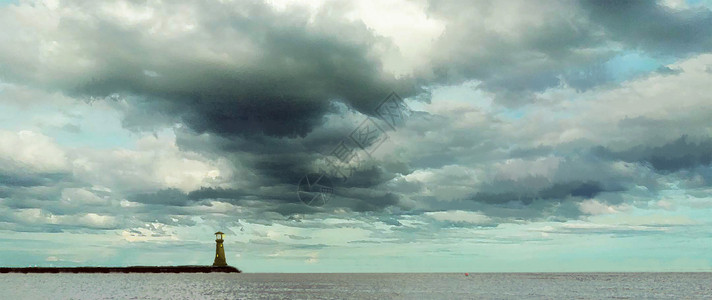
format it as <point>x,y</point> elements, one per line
<point>467,274</point>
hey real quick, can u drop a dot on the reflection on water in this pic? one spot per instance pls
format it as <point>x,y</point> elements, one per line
<point>358,286</point>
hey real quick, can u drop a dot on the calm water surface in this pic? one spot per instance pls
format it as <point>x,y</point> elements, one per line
<point>359,286</point>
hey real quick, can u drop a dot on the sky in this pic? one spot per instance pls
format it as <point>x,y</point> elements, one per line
<point>449,136</point>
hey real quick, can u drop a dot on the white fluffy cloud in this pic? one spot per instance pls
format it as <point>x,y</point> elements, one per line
<point>156,163</point>
<point>594,207</point>
<point>36,216</point>
<point>29,150</point>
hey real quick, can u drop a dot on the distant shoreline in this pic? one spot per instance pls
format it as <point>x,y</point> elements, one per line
<point>132,269</point>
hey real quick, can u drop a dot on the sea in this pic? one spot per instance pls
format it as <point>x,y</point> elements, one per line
<point>358,286</point>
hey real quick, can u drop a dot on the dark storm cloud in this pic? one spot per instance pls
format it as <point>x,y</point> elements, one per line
<point>171,197</point>
<point>15,179</point>
<point>516,62</point>
<point>522,190</point>
<point>264,200</point>
<point>368,177</point>
<point>363,200</point>
<point>554,192</point>
<point>679,154</point>
<point>272,195</point>
<point>216,193</point>
<point>246,69</point>
<point>653,27</point>
<point>23,190</point>
<point>277,164</point>
<point>568,44</point>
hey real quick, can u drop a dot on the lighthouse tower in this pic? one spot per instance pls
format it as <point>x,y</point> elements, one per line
<point>219,251</point>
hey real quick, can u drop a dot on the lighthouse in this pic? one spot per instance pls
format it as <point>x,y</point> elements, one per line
<point>219,251</point>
